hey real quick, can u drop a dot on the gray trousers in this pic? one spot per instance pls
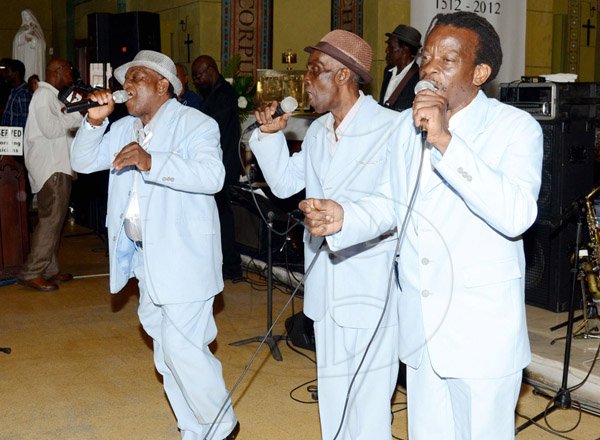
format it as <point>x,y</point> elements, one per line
<point>53,203</point>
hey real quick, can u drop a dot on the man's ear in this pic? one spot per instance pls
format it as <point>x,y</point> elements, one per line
<point>343,75</point>
<point>163,85</point>
<point>481,74</point>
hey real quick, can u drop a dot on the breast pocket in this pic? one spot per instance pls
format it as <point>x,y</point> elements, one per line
<point>365,175</point>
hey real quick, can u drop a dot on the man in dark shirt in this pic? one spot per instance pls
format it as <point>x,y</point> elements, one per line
<point>17,106</point>
<point>402,72</point>
<point>220,103</point>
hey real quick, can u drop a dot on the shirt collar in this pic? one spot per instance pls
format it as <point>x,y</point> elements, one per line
<point>339,131</point>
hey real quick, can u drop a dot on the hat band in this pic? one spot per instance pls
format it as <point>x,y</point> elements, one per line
<point>345,59</point>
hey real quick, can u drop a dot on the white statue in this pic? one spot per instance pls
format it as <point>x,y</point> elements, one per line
<point>29,45</point>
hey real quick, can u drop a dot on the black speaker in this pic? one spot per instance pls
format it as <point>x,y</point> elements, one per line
<point>132,32</point>
<point>99,37</point>
<point>568,167</point>
<point>301,331</point>
<point>548,250</point>
<point>567,177</point>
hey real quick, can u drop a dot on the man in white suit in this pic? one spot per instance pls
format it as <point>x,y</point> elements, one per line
<point>343,155</point>
<point>163,229</point>
<point>463,332</point>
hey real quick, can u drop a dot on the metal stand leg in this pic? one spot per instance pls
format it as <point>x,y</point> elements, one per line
<point>584,329</point>
<point>270,339</point>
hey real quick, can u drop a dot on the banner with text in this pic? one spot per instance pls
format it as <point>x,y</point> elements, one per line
<point>11,141</point>
<point>247,30</point>
<point>508,18</point>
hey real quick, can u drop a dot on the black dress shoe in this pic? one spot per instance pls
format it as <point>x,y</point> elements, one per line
<point>233,434</point>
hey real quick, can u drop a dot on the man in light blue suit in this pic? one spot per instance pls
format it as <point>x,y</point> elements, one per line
<point>475,182</point>
<point>165,165</point>
<point>349,297</point>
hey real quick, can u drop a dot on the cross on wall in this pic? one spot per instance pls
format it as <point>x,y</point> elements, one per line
<point>188,42</point>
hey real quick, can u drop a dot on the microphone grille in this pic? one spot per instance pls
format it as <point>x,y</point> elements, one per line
<point>289,104</point>
<point>120,96</point>
<point>424,85</point>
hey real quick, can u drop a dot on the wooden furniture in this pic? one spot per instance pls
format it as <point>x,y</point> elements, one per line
<point>14,232</point>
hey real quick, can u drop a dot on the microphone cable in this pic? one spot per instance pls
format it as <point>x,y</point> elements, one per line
<point>401,234</point>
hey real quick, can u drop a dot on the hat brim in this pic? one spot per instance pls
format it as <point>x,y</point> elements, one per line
<point>337,54</point>
<point>413,43</point>
<point>121,71</point>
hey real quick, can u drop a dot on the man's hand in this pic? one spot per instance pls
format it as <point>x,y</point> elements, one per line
<point>430,113</point>
<point>322,216</point>
<point>97,114</point>
<point>133,154</point>
<point>264,116</point>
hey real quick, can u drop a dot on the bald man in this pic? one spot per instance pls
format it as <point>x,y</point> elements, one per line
<point>48,135</point>
<point>220,103</point>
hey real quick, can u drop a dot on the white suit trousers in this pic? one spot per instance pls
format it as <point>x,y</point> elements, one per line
<point>192,376</point>
<point>460,409</point>
<point>339,353</point>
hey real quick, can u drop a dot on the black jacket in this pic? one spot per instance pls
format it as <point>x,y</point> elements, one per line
<point>407,95</point>
<point>221,105</point>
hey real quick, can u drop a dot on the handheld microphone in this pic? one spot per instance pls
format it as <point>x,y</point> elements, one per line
<point>424,85</point>
<point>120,96</point>
<point>287,105</point>
<point>419,87</point>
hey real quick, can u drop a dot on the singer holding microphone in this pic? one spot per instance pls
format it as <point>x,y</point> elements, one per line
<point>163,229</point>
<point>343,155</point>
<point>463,331</point>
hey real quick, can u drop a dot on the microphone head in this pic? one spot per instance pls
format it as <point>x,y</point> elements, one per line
<point>120,96</point>
<point>288,104</point>
<point>424,85</point>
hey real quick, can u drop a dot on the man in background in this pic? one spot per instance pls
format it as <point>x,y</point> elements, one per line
<point>48,136</point>
<point>17,106</point>
<point>220,103</point>
<point>186,97</point>
<point>402,72</point>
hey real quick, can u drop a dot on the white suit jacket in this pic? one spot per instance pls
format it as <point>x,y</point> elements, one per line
<point>352,287</point>
<point>462,265</point>
<point>180,224</point>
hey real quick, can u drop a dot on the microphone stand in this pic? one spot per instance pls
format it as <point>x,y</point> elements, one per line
<point>562,399</point>
<point>270,339</point>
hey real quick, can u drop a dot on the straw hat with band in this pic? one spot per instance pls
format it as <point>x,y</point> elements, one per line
<point>349,49</point>
<point>156,61</point>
